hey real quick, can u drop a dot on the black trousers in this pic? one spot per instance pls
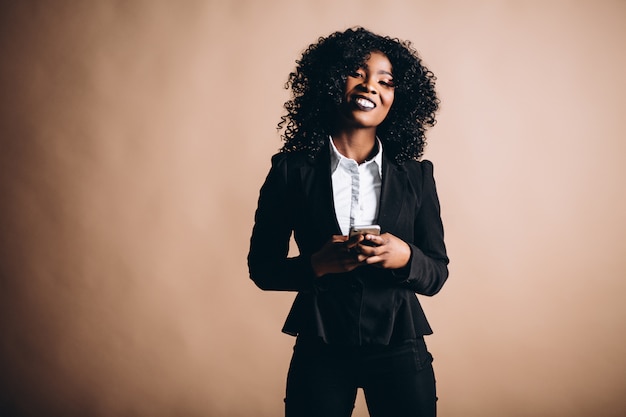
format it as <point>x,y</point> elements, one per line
<point>397,380</point>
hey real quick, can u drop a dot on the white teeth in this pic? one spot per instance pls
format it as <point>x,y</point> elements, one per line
<point>364,103</point>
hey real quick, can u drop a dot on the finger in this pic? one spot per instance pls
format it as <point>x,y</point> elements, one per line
<point>350,248</point>
<point>374,247</point>
<point>374,240</point>
<point>368,250</point>
<point>351,255</point>
<point>352,263</point>
<point>373,260</point>
<point>353,240</point>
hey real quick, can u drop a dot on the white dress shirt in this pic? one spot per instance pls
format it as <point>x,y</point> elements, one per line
<point>356,188</point>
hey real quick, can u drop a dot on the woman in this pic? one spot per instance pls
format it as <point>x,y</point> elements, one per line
<point>354,131</point>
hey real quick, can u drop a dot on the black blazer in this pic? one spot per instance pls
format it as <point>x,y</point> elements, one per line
<point>369,305</point>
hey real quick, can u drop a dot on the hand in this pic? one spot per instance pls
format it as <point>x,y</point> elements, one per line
<point>337,255</point>
<point>386,251</point>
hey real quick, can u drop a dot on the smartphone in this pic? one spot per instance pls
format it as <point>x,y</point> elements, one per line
<point>372,229</point>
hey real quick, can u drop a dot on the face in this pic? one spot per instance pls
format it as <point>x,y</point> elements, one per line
<point>369,93</point>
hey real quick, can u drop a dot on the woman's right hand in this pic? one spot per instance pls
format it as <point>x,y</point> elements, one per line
<point>336,256</point>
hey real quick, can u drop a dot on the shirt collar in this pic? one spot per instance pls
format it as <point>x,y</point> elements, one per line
<point>336,157</point>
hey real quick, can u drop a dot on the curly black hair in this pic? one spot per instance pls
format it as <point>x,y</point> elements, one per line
<point>317,87</point>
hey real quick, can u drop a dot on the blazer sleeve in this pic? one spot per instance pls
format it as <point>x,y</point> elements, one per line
<point>268,263</point>
<point>427,269</point>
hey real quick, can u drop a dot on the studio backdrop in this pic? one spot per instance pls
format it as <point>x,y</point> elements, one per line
<point>134,137</point>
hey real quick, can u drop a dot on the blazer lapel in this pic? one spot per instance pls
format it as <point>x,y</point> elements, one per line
<point>392,194</point>
<point>317,188</point>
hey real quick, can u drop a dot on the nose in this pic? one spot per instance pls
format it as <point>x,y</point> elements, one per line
<point>368,85</point>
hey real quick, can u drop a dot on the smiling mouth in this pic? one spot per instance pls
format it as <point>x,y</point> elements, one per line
<point>363,103</point>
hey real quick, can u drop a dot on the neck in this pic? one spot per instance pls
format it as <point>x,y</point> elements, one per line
<point>357,144</point>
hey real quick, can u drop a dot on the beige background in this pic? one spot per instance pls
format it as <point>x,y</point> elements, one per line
<point>134,137</point>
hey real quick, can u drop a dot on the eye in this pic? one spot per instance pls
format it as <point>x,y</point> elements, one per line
<point>387,83</point>
<point>356,74</point>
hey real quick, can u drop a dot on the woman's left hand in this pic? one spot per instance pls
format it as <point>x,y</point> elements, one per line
<point>386,251</point>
